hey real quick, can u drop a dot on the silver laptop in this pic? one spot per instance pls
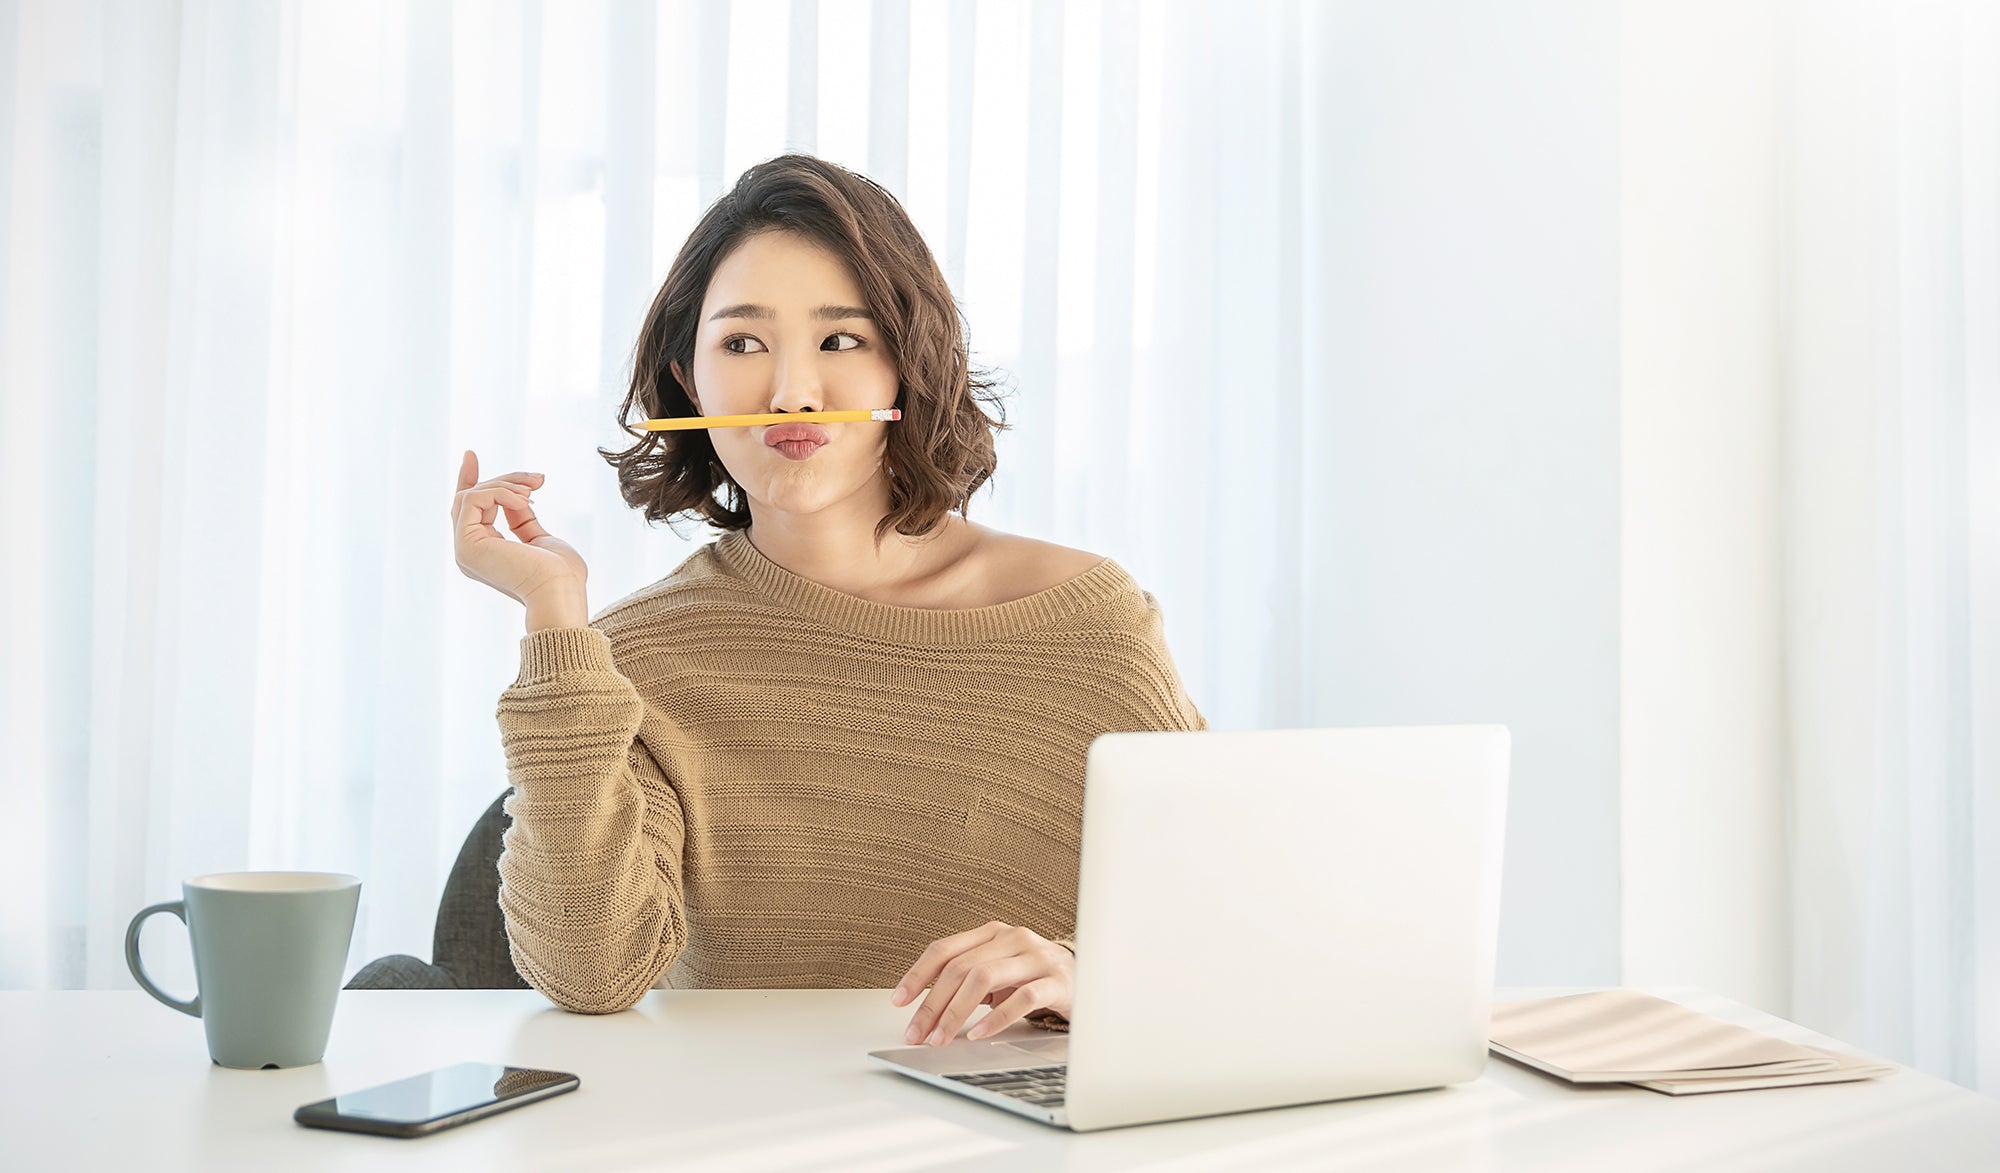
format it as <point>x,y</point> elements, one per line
<point>1264,918</point>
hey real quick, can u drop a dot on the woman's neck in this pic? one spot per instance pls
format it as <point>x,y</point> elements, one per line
<point>840,553</point>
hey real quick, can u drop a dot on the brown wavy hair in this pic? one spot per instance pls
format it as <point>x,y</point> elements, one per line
<point>939,453</point>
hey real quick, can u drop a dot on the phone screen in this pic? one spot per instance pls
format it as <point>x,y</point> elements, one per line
<point>437,1095</point>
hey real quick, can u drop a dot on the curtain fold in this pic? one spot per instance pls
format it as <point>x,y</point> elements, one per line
<point>1892,523</point>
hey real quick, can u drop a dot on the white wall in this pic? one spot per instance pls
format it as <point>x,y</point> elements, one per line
<point>1703,846</point>
<point>1461,243</point>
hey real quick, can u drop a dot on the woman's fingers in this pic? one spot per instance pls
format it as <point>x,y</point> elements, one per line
<point>521,517</point>
<point>1023,1001</point>
<point>997,964</point>
<point>981,975</point>
<point>930,964</point>
<point>468,482</point>
<point>479,509</point>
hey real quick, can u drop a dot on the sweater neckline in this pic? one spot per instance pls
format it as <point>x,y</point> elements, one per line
<point>919,625</point>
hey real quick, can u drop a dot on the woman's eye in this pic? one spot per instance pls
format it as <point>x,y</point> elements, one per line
<point>730,344</point>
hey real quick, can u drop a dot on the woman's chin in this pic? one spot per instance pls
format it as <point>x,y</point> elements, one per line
<point>795,498</point>
<point>801,488</point>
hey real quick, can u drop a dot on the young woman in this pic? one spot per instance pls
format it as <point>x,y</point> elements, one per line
<point>842,745</point>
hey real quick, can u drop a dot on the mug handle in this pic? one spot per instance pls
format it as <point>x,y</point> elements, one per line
<point>179,909</point>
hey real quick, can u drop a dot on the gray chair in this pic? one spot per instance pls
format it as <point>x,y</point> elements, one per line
<point>469,943</point>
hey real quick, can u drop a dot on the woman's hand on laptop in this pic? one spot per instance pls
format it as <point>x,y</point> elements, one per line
<point>1014,970</point>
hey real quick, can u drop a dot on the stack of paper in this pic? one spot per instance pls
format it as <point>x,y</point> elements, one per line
<point>1624,1036</point>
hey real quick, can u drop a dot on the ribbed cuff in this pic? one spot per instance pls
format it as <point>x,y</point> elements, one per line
<point>552,651</point>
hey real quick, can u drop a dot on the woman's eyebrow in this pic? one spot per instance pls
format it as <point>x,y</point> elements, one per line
<point>823,313</point>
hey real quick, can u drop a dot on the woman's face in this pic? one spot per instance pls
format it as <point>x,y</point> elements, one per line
<point>784,329</point>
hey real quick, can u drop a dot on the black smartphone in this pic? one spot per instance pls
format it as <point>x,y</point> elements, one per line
<point>445,1098</point>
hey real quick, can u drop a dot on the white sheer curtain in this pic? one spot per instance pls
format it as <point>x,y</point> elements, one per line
<point>271,267</point>
<point>1891,269</point>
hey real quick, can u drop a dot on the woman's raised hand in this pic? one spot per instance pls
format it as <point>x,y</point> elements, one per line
<point>538,569</point>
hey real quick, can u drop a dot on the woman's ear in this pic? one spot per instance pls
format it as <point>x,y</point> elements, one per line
<point>675,367</point>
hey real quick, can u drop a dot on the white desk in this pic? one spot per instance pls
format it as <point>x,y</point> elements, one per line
<point>779,1079</point>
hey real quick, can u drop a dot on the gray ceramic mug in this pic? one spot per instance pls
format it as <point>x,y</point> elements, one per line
<point>269,948</point>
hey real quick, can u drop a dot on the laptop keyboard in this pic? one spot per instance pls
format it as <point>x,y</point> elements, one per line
<point>1040,1086</point>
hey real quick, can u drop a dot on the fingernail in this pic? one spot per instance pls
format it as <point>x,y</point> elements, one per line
<point>937,1036</point>
<point>910,1035</point>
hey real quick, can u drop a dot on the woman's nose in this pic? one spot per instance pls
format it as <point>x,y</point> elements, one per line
<point>792,394</point>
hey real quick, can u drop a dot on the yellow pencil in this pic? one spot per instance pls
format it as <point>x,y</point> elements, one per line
<point>687,422</point>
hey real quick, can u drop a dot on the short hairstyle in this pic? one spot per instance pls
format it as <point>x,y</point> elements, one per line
<point>941,450</point>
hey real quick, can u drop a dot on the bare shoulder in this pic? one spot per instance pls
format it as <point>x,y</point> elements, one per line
<point>1014,566</point>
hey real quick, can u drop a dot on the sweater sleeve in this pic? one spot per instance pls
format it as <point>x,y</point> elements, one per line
<point>590,869</point>
<point>1179,709</point>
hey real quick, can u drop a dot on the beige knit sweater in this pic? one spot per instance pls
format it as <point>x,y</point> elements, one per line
<point>739,778</point>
